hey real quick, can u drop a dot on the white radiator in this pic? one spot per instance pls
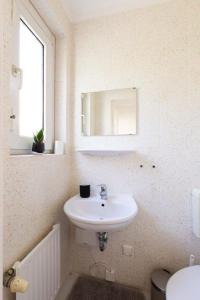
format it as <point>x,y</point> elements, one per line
<point>41,268</point>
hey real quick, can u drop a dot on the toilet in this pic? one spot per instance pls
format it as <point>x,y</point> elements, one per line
<point>184,284</point>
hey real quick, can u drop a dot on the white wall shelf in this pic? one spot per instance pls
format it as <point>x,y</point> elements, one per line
<point>104,152</point>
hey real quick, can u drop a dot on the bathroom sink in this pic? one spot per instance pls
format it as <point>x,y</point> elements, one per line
<point>98,215</point>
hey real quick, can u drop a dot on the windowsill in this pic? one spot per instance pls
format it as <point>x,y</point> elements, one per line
<point>36,155</point>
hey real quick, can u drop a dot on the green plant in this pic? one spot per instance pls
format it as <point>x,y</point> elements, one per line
<point>39,137</point>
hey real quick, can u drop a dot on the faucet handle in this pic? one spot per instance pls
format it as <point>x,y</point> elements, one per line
<point>103,187</point>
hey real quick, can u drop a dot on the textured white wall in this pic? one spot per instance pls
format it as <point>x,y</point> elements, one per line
<point>155,49</point>
<point>1,144</point>
<point>4,98</point>
<point>36,187</point>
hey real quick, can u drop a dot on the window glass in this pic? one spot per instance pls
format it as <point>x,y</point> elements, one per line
<point>31,96</point>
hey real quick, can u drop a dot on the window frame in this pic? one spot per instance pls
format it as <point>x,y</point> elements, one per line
<point>23,10</point>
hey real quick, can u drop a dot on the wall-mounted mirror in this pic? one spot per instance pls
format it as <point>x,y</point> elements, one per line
<point>111,112</point>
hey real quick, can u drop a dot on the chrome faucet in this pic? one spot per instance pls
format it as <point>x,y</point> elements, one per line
<point>103,192</point>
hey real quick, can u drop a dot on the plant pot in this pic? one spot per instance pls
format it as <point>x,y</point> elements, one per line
<point>39,148</point>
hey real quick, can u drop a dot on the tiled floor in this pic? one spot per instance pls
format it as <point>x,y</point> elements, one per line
<point>89,288</point>
<point>67,286</point>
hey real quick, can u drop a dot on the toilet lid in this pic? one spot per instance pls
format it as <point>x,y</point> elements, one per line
<point>184,285</point>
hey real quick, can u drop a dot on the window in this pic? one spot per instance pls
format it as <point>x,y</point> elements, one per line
<point>32,79</point>
<point>31,104</point>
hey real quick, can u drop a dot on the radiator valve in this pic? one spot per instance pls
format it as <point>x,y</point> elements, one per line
<point>13,282</point>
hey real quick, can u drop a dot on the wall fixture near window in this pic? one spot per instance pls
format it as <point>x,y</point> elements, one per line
<point>111,112</point>
<point>32,78</point>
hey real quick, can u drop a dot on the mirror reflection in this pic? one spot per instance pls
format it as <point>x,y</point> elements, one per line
<point>111,112</point>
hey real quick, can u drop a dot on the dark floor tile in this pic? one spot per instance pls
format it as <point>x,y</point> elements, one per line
<point>89,288</point>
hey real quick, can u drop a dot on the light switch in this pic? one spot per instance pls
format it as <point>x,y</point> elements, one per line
<point>127,250</point>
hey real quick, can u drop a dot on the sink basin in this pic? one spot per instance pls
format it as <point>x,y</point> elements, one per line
<point>94,214</point>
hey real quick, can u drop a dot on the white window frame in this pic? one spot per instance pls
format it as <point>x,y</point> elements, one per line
<point>23,10</point>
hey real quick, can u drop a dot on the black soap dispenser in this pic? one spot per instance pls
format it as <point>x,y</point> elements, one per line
<point>85,191</point>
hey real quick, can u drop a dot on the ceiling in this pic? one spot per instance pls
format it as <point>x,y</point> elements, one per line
<point>79,10</point>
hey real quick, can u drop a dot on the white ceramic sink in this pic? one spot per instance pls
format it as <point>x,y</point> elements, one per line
<point>94,214</point>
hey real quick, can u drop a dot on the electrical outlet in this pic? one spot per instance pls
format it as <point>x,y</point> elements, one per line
<point>110,275</point>
<point>127,250</point>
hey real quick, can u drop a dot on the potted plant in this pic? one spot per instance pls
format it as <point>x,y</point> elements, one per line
<point>38,143</point>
